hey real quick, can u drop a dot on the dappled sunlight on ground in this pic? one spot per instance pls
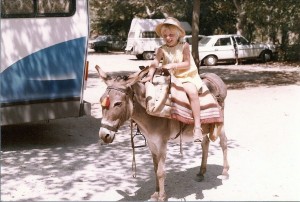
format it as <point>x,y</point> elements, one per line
<point>63,160</point>
<point>38,164</point>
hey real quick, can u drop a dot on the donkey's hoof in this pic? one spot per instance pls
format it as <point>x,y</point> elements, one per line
<point>199,177</point>
<point>154,197</point>
<point>162,197</point>
<point>224,176</point>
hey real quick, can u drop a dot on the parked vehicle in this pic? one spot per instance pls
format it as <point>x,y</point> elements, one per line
<point>221,47</point>
<point>142,40</point>
<point>105,43</point>
<point>43,60</point>
<point>188,38</point>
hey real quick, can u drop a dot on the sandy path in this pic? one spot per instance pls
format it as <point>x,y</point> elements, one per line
<point>62,161</point>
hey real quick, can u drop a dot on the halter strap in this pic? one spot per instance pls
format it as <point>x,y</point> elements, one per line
<point>125,91</point>
<point>112,128</point>
<point>117,89</point>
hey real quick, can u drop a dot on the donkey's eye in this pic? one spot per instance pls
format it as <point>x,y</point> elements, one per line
<point>117,104</point>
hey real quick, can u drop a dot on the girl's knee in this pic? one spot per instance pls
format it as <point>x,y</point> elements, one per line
<point>193,95</point>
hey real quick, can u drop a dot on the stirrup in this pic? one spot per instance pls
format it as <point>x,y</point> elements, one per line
<point>197,138</point>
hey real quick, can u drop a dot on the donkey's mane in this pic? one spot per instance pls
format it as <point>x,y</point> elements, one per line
<point>118,78</point>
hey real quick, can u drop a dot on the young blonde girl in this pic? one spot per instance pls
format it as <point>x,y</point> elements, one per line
<point>177,58</point>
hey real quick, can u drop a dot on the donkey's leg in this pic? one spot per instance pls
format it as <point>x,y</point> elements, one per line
<point>205,146</point>
<point>223,144</point>
<point>159,158</point>
<point>154,196</point>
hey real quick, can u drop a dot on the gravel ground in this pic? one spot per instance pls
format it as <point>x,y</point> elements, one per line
<point>62,160</point>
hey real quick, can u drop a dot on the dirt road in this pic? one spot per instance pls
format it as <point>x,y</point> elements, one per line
<point>62,160</point>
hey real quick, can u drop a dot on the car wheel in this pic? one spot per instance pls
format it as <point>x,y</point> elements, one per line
<point>266,56</point>
<point>105,49</point>
<point>139,56</point>
<point>148,55</point>
<point>210,60</point>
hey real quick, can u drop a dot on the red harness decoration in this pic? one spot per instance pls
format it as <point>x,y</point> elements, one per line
<point>105,102</point>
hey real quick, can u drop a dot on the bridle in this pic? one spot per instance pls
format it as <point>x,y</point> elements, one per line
<point>127,92</point>
<point>109,88</point>
<point>115,128</point>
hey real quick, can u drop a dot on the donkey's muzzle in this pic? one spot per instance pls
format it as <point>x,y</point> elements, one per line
<point>106,135</point>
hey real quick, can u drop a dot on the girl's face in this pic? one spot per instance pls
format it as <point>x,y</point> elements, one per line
<point>170,36</point>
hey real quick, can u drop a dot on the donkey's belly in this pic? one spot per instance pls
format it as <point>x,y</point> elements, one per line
<point>181,132</point>
<point>184,132</point>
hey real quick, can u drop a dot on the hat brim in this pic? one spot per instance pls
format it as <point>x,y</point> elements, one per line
<point>159,26</point>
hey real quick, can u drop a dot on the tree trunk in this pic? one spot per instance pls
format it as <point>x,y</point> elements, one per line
<point>241,17</point>
<point>195,32</point>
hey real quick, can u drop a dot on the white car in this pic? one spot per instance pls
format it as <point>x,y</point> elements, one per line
<point>221,47</point>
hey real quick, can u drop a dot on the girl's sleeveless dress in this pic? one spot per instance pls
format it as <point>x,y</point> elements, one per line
<point>174,55</point>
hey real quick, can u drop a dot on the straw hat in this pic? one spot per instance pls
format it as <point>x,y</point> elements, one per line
<point>170,21</point>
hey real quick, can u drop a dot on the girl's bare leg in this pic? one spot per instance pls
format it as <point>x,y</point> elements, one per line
<point>192,93</point>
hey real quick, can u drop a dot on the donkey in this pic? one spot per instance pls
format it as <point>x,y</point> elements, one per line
<point>127,100</point>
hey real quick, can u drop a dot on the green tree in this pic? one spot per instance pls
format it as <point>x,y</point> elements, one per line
<point>264,21</point>
<point>115,16</point>
<point>274,21</point>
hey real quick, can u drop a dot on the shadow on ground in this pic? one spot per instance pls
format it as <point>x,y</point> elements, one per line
<point>57,133</point>
<point>63,161</point>
<point>179,184</point>
<point>242,78</point>
<point>239,79</point>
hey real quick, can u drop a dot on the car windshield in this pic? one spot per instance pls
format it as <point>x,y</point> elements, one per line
<point>188,38</point>
<point>204,41</point>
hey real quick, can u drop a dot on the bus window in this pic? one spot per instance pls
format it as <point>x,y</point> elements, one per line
<point>54,6</point>
<point>17,7</point>
<point>37,8</point>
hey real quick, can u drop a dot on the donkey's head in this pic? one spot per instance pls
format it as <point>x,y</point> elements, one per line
<point>116,103</point>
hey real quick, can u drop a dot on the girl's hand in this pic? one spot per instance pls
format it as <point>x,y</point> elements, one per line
<point>168,66</point>
<point>147,78</point>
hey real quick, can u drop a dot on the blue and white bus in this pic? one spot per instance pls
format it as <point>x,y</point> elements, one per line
<point>43,59</point>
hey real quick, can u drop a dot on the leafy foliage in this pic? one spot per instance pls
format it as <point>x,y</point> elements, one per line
<point>276,21</point>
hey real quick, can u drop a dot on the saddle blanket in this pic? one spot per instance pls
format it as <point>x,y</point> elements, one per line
<point>210,111</point>
<point>168,99</point>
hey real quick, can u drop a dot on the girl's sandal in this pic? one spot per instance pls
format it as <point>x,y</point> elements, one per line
<point>197,136</point>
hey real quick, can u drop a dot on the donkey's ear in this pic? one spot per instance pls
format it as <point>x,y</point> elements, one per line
<point>102,75</point>
<point>137,76</point>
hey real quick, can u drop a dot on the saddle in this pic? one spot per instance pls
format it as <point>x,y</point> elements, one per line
<point>158,102</point>
<point>166,97</point>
